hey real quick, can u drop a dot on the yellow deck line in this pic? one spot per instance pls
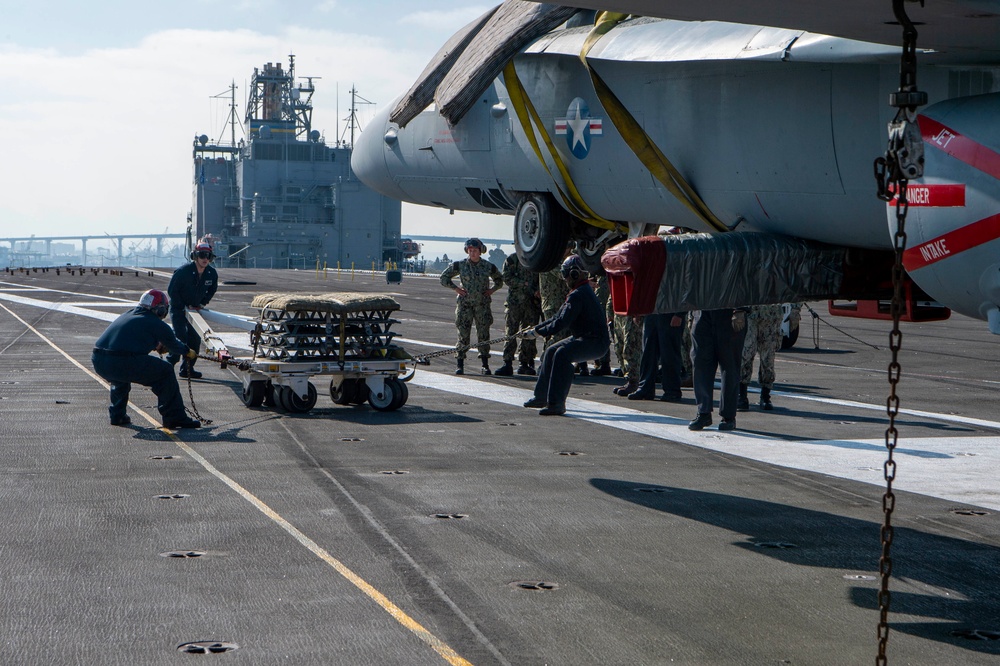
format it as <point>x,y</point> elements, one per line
<point>392,609</point>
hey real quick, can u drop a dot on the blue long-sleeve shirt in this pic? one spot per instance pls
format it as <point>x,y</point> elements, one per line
<point>581,314</point>
<point>188,289</point>
<point>139,331</point>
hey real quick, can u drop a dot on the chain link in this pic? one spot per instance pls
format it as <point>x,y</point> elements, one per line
<point>193,409</point>
<point>424,359</point>
<point>891,433</point>
<point>903,161</point>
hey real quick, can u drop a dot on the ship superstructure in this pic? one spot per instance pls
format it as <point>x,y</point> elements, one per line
<point>282,197</point>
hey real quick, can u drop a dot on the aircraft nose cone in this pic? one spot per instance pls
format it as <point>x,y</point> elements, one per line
<point>368,160</point>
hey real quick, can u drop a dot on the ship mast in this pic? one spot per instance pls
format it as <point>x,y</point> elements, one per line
<point>352,119</point>
<point>231,118</point>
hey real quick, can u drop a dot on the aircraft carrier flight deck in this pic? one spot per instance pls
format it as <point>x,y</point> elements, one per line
<point>464,528</point>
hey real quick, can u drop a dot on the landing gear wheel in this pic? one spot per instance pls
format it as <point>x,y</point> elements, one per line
<point>541,231</point>
<point>591,254</point>
<point>788,341</point>
<point>388,399</point>
<point>253,394</point>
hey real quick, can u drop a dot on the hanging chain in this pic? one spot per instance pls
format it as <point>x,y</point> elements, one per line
<point>193,410</point>
<point>903,161</point>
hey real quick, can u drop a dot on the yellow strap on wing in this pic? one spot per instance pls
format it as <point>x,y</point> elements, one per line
<point>635,136</point>
<point>530,120</point>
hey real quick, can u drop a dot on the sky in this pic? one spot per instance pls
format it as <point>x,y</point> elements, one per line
<point>100,101</point>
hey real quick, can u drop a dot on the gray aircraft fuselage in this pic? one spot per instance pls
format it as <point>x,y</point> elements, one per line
<point>775,130</point>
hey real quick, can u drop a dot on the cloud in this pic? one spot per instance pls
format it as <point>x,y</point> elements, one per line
<point>450,20</point>
<point>101,140</point>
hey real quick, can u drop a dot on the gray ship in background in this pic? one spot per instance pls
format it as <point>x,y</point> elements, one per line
<point>283,197</point>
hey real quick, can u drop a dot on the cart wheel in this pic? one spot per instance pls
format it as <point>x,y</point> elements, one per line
<point>343,394</point>
<point>385,401</point>
<point>361,392</point>
<point>278,395</point>
<point>402,393</point>
<point>270,399</point>
<point>293,403</point>
<point>253,394</point>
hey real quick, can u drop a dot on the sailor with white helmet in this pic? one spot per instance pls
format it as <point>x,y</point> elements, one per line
<point>121,356</point>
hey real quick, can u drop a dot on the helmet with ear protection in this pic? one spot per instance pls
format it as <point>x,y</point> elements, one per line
<point>573,270</point>
<point>156,302</point>
<point>201,249</point>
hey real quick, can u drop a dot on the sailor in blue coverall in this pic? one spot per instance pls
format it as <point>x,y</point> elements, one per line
<point>121,356</point>
<point>192,286</point>
<point>583,317</point>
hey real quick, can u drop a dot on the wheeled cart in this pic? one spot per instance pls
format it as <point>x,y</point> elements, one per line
<point>344,336</point>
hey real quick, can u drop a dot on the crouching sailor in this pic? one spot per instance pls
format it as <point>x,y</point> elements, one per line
<point>583,317</point>
<point>121,356</point>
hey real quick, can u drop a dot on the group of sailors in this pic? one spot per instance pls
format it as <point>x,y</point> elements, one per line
<point>572,310</point>
<point>566,306</point>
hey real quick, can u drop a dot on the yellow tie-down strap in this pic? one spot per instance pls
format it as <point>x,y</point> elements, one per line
<point>635,136</point>
<point>530,120</point>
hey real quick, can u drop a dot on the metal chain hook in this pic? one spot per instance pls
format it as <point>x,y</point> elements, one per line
<point>903,161</point>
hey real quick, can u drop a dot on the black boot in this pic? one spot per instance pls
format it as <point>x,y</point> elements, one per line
<point>460,366</point>
<point>765,399</point>
<point>582,369</point>
<point>505,370</point>
<point>743,402</point>
<point>187,370</point>
<point>486,365</point>
<point>629,387</point>
<point>603,368</point>
<point>527,369</point>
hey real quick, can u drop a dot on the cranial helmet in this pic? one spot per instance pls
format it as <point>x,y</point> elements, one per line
<point>201,248</point>
<point>474,242</point>
<point>573,270</point>
<point>156,302</point>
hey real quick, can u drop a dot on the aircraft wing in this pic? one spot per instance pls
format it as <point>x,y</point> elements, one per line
<point>968,30</point>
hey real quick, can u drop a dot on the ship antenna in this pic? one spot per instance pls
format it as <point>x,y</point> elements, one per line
<point>352,119</point>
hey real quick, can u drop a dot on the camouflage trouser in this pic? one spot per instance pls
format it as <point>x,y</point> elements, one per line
<point>628,345</point>
<point>763,337</point>
<point>465,316</point>
<point>517,318</point>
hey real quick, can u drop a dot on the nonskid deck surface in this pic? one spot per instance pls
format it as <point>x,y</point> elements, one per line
<point>465,527</point>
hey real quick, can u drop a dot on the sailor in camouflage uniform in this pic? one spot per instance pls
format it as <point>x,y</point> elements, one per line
<point>603,291</point>
<point>473,302</point>
<point>522,310</point>
<point>553,290</point>
<point>764,337</point>
<point>628,348</point>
